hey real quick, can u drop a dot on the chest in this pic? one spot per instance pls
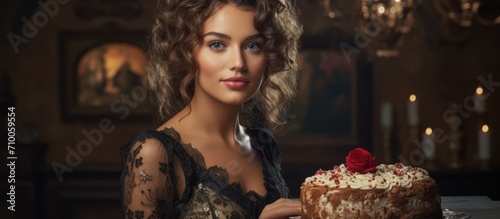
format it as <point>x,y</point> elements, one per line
<point>240,166</point>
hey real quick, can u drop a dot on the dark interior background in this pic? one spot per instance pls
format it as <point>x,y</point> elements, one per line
<point>441,69</point>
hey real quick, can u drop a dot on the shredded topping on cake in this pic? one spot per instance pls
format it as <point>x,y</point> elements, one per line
<point>385,177</point>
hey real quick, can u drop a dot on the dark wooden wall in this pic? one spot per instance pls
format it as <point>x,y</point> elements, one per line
<point>440,72</point>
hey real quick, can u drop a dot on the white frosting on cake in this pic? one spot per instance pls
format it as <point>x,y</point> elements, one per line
<point>384,177</point>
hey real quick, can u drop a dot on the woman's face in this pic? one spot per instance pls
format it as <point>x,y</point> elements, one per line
<point>230,57</point>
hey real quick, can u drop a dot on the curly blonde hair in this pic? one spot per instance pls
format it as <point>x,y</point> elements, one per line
<point>172,67</point>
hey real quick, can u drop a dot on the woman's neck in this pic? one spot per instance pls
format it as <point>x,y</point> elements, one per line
<point>211,118</point>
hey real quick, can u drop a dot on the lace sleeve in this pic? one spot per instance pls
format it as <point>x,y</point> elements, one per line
<point>146,182</point>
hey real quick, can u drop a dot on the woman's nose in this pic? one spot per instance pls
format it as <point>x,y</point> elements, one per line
<point>237,61</point>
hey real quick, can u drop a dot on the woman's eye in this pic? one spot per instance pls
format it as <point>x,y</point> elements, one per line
<point>216,45</point>
<point>253,47</point>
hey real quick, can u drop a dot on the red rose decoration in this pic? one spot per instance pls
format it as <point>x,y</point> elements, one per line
<point>360,160</point>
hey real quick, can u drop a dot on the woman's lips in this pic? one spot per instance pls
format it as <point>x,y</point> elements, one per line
<point>235,82</point>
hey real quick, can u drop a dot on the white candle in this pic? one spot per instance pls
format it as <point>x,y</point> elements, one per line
<point>386,115</point>
<point>412,110</point>
<point>480,100</point>
<point>484,143</point>
<point>428,144</point>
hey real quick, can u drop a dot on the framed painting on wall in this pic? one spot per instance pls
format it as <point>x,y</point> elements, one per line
<point>332,110</point>
<point>103,75</point>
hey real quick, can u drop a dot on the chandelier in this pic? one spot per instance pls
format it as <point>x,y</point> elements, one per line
<point>395,19</point>
<point>457,16</point>
<point>383,24</point>
<point>463,12</point>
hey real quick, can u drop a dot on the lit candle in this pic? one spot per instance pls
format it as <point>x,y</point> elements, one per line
<point>480,100</point>
<point>412,110</point>
<point>386,115</point>
<point>484,143</point>
<point>428,144</point>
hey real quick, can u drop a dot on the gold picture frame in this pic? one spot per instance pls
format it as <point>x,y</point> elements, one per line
<point>102,76</point>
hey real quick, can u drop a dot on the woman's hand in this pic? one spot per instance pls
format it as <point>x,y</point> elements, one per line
<point>281,208</point>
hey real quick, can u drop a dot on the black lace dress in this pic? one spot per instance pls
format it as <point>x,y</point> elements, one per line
<point>149,186</point>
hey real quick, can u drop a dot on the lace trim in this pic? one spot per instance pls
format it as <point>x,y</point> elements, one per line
<point>224,176</point>
<point>217,170</point>
<point>172,133</point>
<point>220,172</point>
<point>193,152</point>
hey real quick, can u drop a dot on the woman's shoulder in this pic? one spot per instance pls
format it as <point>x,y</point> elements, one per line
<point>261,137</point>
<point>264,141</point>
<point>150,140</point>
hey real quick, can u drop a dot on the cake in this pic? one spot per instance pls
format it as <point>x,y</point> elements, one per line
<point>361,188</point>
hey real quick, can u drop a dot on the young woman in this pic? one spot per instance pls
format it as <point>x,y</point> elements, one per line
<point>219,69</point>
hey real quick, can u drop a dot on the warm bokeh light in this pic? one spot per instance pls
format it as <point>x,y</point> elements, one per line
<point>428,131</point>
<point>479,91</point>
<point>485,128</point>
<point>413,98</point>
<point>381,9</point>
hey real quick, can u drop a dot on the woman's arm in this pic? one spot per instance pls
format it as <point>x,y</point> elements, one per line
<point>146,183</point>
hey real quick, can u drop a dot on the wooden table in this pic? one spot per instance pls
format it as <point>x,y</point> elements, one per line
<point>475,206</point>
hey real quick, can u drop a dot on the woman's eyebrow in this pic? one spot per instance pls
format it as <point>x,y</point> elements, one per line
<point>255,36</point>
<point>224,36</point>
<point>220,35</point>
